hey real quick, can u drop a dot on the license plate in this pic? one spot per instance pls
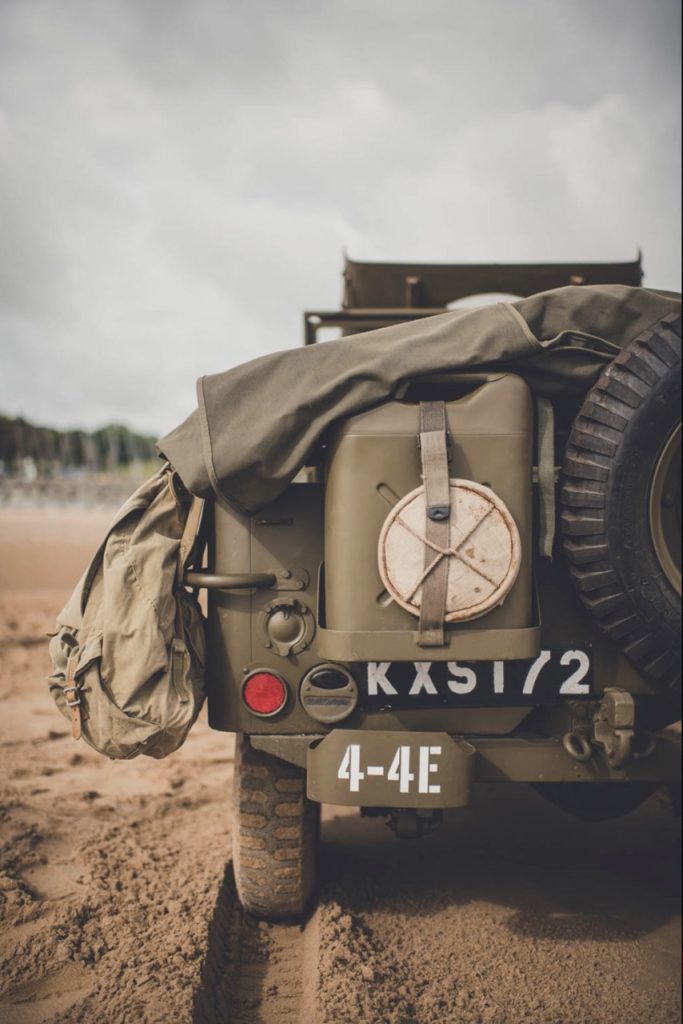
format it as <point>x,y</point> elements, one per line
<point>554,674</point>
<point>390,769</point>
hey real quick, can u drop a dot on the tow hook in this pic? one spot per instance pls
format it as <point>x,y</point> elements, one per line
<point>577,744</point>
<point>614,726</point>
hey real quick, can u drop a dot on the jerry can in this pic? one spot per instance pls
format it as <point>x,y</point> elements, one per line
<point>373,463</point>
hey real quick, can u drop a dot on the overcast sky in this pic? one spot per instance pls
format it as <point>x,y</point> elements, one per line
<point>179,180</point>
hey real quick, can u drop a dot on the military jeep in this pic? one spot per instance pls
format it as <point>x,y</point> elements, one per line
<point>406,622</point>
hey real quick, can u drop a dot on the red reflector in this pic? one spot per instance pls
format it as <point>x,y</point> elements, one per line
<point>264,693</point>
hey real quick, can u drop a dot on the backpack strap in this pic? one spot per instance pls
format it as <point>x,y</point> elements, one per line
<point>185,551</point>
<point>434,455</point>
<point>190,533</point>
<point>72,696</point>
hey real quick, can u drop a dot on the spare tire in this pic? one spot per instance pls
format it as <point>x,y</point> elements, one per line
<point>621,502</point>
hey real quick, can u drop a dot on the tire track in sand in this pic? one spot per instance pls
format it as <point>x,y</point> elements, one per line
<point>275,974</point>
<point>512,913</point>
<point>256,972</point>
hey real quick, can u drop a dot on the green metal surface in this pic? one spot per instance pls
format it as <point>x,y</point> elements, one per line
<point>373,461</point>
<point>426,769</point>
<point>236,639</point>
<point>369,285</point>
<point>496,759</point>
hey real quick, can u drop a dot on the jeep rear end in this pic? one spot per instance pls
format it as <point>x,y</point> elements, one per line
<point>320,658</point>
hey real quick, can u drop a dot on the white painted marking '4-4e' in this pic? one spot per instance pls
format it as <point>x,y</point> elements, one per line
<point>400,770</point>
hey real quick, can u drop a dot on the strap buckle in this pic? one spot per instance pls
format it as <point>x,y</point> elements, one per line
<point>76,699</point>
<point>438,513</point>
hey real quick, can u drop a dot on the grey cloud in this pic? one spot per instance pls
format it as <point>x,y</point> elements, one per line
<point>178,181</point>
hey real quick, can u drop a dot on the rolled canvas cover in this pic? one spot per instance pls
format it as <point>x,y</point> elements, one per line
<point>258,423</point>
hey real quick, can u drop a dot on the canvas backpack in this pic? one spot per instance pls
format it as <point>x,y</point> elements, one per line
<point>129,650</point>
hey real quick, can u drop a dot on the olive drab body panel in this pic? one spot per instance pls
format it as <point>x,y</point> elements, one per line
<point>271,628</point>
<point>373,463</point>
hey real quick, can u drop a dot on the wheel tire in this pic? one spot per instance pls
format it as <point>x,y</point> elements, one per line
<point>616,441</point>
<point>275,835</point>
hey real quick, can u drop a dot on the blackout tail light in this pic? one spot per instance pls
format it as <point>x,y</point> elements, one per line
<point>264,693</point>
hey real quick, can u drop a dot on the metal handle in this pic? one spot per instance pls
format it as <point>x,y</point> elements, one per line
<point>231,581</point>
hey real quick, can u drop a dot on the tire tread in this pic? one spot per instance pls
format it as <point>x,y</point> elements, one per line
<point>275,836</point>
<point>593,442</point>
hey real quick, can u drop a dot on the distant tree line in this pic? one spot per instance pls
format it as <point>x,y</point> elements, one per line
<point>49,450</point>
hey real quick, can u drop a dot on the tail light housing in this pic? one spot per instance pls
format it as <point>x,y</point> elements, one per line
<point>264,693</point>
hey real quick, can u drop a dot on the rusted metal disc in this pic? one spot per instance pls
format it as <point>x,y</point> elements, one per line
<point>484,551</point>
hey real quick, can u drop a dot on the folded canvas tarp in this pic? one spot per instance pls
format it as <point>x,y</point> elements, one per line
<point>257,423</point>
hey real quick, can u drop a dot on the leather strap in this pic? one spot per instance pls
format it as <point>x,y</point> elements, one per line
<point>73,697</point>
<point>185,551</point>
<point>436,477</point>
<point>546,476</point>
<point>190,531</point>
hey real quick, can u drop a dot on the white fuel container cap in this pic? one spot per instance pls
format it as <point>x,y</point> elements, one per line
<point>483,551</point>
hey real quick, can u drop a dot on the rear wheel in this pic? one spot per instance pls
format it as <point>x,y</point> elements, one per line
<point>275,835</point>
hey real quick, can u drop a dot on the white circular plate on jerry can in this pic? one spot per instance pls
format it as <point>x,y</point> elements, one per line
<point>483,551</point>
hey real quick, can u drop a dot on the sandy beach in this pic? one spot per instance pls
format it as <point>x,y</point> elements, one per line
<point>118,904</point>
